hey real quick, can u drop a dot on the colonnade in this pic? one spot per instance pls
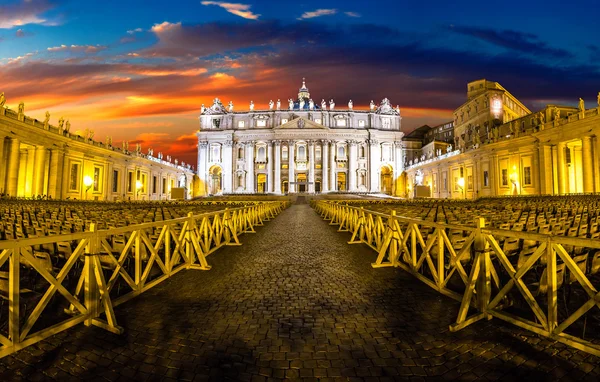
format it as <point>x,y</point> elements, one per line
<point>567,167</point>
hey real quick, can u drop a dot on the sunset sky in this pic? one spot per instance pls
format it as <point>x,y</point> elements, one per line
<point>139,70</point>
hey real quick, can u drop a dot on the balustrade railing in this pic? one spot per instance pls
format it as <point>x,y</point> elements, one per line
<point>52,283</point>
<point>540,282</point>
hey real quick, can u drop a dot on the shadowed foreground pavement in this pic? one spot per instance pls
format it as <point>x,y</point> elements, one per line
<point>296,301</point>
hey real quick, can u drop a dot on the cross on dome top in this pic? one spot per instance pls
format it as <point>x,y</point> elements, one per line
<point>303,91</point>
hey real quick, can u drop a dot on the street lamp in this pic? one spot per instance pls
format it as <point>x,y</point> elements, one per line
<point>461,183</point>
<point>138,188</point>
<point>87,182</point>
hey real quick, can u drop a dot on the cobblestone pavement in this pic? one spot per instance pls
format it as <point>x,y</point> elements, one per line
<point>295,301</point>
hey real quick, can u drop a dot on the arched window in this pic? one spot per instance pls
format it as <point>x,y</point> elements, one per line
<point>241,153</point>
<point>318,153</point>
<point>341,151</point>
<point>284,152</point>
<point>362,152</point>
<point>302,152</point>
<point>261,154</point>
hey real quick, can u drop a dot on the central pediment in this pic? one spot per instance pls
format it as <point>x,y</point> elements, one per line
<point>302,123</point>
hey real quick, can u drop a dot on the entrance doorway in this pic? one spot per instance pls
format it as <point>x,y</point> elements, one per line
<point>386,180</point>
<point>301,182</point>
<point>341,181</point>
<point>318,186</point>
<point>215,180</point>
<point>261,183</point>
<point>284,186</point>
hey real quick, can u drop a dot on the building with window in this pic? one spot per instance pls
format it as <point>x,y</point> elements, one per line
<point>502,148</point>
<point>300,146</point>
<point>40,159</point>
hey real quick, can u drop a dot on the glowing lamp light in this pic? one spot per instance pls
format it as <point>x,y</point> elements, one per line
<point>138,185</point>
<point>461,182</point>
<point>88,181</point>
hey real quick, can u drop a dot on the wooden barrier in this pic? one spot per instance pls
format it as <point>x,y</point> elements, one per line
<point>89,280</point>
<point>489,279</point>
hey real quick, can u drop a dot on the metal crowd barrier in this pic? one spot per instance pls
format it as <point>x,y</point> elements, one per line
<point>106,269</point>
<point>519,286</point>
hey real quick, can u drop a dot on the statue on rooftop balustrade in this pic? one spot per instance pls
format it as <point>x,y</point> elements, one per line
<point>271,104</point>
<point>22,107</point>
<point>202,109</point>
<point>350,105</point>
<point>372,105</point>
<point>331,104</point>
<point>291,103</point>
<point>61,123</point>
<point>47,120</point>
<point>477,139</point>
<point>581,105</point>
<point>67,126</point>
<point>278,104</point>
<point>251,105</point>
<point>311,104</point>
<point>3,99</point>
<point>542,118</point>
<point>324,104</point>
<point>556,113</point>
<point>91,135</point>
<point>301,103</point>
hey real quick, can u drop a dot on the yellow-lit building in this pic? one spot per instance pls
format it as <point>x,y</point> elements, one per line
<point>554,151</point>
<point>37,159</point>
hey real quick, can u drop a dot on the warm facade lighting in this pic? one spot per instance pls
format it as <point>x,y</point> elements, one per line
<point>88,181</point>
<point>461,183</point>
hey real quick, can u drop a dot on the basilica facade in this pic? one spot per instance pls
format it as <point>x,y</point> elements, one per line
<point>300,147</point>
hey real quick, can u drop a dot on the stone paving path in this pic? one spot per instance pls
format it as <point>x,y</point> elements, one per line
<point>295,301</point>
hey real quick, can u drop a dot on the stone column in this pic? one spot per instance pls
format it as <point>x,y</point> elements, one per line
<point>277,185</point>
<point>562,174</point>
<point>333,167</point>
<point>374,162</point>
<point>55,178</point>
<point>291,176</point>
<point>3,161</point>
<point>311,171</point>
<point>270,166</point>
<point>588,165</point>
<point>545,169</point>
<point>324,166</point>
<point>250,167</point>
<point>352,161</point>
<point>202,171</point>
<point>12,169</point>
<point>398,167</point>
<point>39,171</point>
<point>227,167</point>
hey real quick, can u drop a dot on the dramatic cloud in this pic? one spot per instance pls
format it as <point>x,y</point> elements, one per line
<point>513,40</point>
<point>242,10</point>
<point>88,49</point>
<point>24,12</point>
<point>317,13</point>
<point>352,14</point>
